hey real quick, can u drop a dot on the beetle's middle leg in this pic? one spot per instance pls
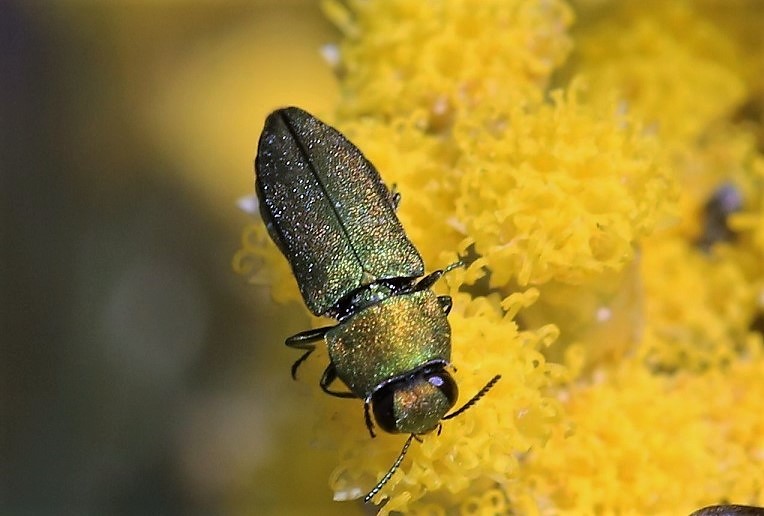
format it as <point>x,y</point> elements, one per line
<point>330,374</point>
<point>394,196</point>
<point>446,303</point>
<point>305,340</point>
<point>433,277</point>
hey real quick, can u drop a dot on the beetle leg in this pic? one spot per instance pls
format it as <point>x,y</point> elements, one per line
<point>330,374</point>
<point>299,361</point>
<point>367,418</point>
<point>446,303</point>
<point>395,197</point>
<point>427,281</point>
<point>453,266</point>
<point>305,340</point>
<point>430,279</point>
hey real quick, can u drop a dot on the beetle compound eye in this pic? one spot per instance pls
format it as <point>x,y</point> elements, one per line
<point>383,404</point>
<point>445,384</point>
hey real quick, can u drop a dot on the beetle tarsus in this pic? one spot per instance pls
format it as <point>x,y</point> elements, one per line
<point>432,278</point>
<point>305,340</point>
<point>299,361</point>
<point>330,374</point>
<point>455,265</point>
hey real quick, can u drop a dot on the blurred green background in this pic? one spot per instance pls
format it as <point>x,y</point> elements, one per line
<point>139,374</point>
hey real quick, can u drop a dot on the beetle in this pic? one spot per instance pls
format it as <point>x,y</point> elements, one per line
<point>729,510</point>
<point>328,211</point>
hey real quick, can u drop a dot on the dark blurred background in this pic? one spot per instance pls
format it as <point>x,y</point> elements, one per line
<point>139,374</point>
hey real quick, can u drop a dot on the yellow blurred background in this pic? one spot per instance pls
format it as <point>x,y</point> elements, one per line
<point>139,374</point>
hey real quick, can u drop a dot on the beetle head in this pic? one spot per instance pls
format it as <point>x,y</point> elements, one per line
<point>415,404</point>
<point>410,405</point>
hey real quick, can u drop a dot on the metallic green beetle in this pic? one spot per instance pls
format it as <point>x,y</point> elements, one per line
<point>729,510</point>
<point>327,209</point>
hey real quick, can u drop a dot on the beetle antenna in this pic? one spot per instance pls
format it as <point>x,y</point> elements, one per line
<point>389,474</point>
<point>475,398</point>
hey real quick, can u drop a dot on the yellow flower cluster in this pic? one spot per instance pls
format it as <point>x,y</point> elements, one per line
<point>668,62</point>
<point>560,191</point>
<point>651,444</point>
<point>622,319</point>
<point>438,60</point>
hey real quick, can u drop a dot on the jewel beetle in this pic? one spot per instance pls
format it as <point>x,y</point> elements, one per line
<point>328,211</point>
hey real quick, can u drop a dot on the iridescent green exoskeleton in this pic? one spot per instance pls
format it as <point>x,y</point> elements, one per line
<point>332,217</point>
<point>729,510</point>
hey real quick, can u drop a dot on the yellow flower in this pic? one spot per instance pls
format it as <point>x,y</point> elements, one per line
<point>438,60</point>
<point>645,443</point>
<point>623,326</point>
<point>560,192</point>
<point>670,64</point>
